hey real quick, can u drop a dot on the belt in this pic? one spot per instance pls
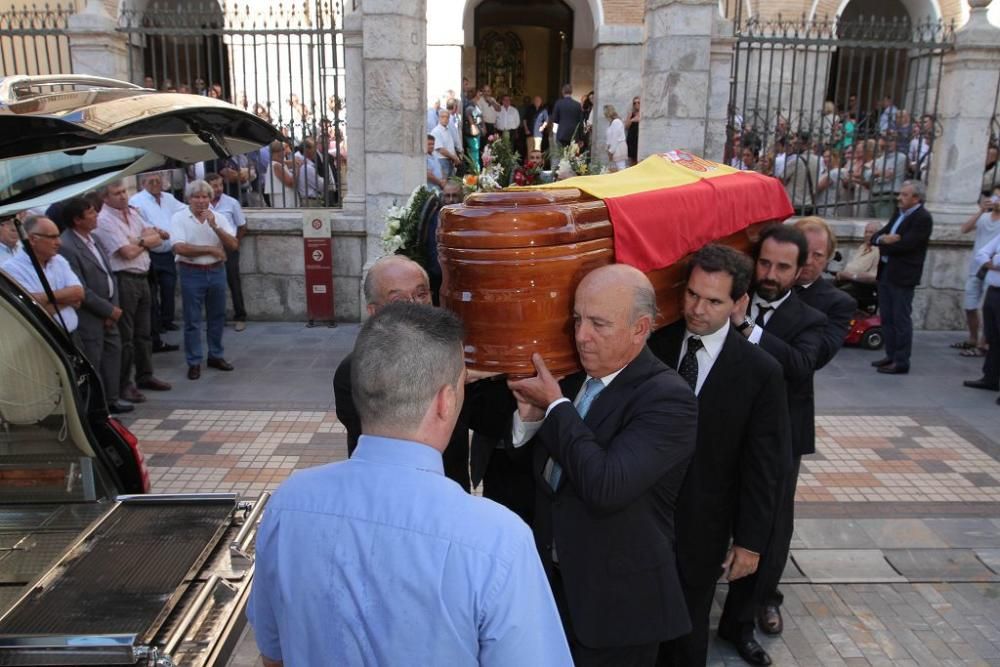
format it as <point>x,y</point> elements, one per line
<point>132,274</point>
<point>200,267</point>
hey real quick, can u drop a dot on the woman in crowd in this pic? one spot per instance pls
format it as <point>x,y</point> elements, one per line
<point>617,146</point>
<point>632,132</point>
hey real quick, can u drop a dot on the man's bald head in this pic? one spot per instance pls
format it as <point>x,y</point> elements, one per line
<point>395,278</point>
<point>613,316</point>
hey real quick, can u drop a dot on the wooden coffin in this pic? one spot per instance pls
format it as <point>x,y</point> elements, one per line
<point>511,262</point>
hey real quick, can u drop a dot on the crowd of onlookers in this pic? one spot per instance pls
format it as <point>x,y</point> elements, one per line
<point>848,162</point>
<point>113,263</point>
<point>306,168</point>
<point>461,127</point>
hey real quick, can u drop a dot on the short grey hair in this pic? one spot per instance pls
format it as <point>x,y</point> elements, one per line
<point>102,191</point>
<point>644,303</point>
<point>32,223</point>
<point>403,356</point>
<point>198,186</point>
<point>370,285</point>
<point>918,187</point>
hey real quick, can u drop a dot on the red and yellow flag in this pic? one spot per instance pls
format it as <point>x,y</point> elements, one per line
<point>673,203</point>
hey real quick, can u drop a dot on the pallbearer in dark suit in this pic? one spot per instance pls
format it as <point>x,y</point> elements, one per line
<point>816,291</point>
<point>902,244</point>
<point>730,489</point>
<point>99,313</point>
<point>611,445</point>
<point>792,333</point>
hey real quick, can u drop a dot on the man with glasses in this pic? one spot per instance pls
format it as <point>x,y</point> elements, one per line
<point>394,279</point>
<point>67,292</point>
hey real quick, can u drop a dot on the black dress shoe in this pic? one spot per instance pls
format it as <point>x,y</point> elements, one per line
<point>154,384</point>
<point>885,361</point>
<point>982,383</point>
<point>220,363</point>
<point>769,619</point>
<point>119,407</point>
<point>751,651</point>
<point>893,369</point>
<point>165,347</point>
<point>194,372</point>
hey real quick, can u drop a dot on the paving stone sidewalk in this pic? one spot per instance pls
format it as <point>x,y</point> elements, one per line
<point>896,555</point>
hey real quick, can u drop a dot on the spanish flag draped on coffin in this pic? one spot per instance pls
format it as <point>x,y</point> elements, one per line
<point>673,203</point>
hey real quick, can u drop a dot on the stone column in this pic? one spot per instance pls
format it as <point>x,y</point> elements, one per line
<point>445,40</point>
<point>968,86</point>
<point>95,47</point>
<point>394,53</point>
<point>616,80</point>
<point>720,68</point>
<point>354,111</point>
<point>676,75</point>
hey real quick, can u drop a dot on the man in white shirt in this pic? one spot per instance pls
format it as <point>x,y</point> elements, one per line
<point>158,207</point>
<point>203,237</point>
<point>986,223</point>
<point>988,257</point>
<point>508,118</point>
<point>444,145</point>
<point>9,243</point>
<point>67,292</point>
<point>489,108</point>
<point>312,185</point>
<point>230,207</point>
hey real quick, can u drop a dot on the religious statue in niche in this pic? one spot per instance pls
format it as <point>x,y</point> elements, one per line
<point>501,63</point>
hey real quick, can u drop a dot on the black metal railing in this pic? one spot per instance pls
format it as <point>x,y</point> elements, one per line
<point>284,63</point>
<point>841,111</point>
<point>33,41</point>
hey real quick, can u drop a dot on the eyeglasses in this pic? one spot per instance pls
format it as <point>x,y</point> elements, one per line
<point>46,236</point>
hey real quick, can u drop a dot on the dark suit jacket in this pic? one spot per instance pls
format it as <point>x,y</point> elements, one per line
<point>794,336</point>
<point>97,302</point>
<point>906,256</point>
<point>456,456</point>
<point>839,308</point>
<point>568,114</point>
<point>744,446</point>
<point>611,518</point>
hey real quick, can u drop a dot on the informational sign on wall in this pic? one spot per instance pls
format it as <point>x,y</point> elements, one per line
<point>317,245</point>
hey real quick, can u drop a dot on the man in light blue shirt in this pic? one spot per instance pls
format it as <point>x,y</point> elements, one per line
<point>381,559</point>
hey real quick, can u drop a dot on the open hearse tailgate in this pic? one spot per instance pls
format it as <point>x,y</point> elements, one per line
<point>154,580</point>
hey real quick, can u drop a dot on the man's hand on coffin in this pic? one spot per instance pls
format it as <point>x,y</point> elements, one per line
<point>535,395</point>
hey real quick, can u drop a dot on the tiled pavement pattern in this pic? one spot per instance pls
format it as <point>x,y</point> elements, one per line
<point>896,555</point>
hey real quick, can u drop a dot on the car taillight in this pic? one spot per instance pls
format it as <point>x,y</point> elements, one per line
<point>133,444</point>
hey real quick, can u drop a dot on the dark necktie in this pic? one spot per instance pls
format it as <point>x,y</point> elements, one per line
<point>762,310</point>
<point>689,364</point>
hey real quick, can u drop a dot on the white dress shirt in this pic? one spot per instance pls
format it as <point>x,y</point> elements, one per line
<point>158,213</point>
<point>523,431</point>
<point>990,253</point>
<point>57,272</point>
<point>7,253</point>
<point>192,231</point>
<point>755,305</point>
<point>508,118</point>
<point>711,346</point>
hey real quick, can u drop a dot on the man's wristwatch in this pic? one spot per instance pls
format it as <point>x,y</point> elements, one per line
<point>746,324</point>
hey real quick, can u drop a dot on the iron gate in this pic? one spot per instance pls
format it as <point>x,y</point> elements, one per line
<point>34,41</point>
<point>281,61</point>
<point>841,110</point>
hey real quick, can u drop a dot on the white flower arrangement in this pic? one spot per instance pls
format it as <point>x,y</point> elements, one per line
<point>402,224</point>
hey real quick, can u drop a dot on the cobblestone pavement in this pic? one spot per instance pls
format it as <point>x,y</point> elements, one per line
<point>896,555</point>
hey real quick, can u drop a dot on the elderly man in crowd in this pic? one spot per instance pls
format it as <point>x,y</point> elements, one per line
<point>202,239</point>
<point>99,313</point>
<point>611,445</point>
<point>9,243</point>
<point>382,560</point>
<point>126,237</point>
<point>312,184</point>
<point>67,292</point>
<point>231,209</point>
<point>158,207</point>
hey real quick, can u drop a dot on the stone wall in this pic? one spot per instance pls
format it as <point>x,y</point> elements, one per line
<point>273,270</point>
